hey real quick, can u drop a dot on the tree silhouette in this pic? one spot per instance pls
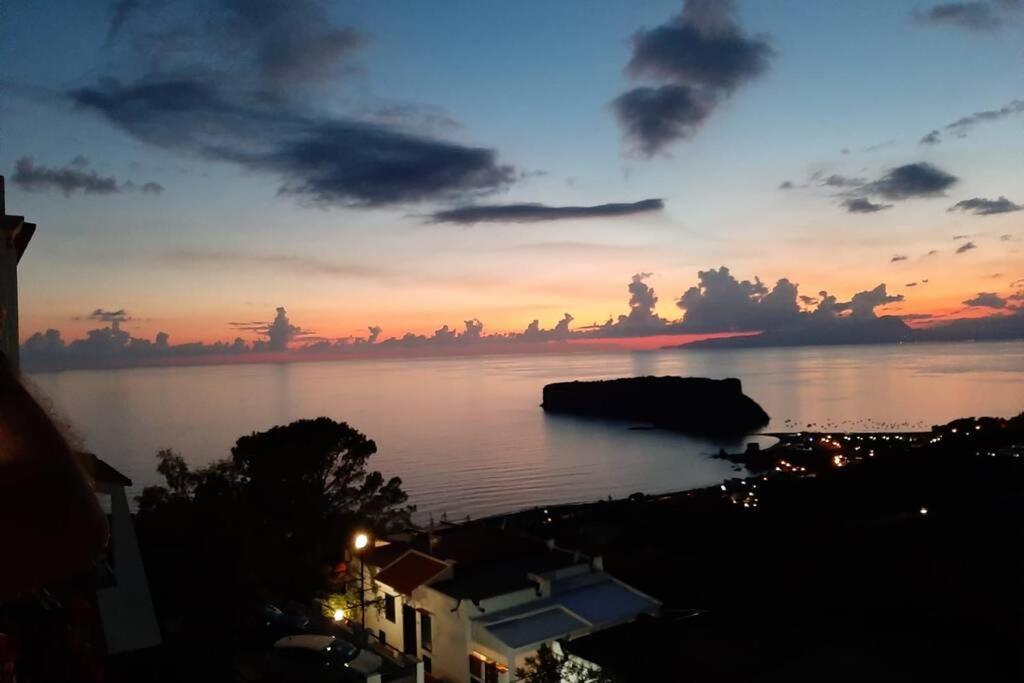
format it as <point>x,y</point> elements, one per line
<point>270,523</point>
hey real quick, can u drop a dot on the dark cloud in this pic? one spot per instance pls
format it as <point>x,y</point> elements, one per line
<point>152,188</point>
<point>986,207</point>
<point>898,257</point>
<point>912,180</point>
<point>108,316</point>
<point>973,15</point>
<point>966,246</point>
<point>70,179</point>
<point>910,284</point>
<point>327,160</point>
<point>529,213</point>
<point>699,58</point>
<point>702,47</point>
<point>960,237</point>
<point>653,117</point>
<point>932,252</point>
<point>720,302</point>
<point>934,137</point>
<point>240,81</point>
<point>786,185</point>
<point>864,205</point>
<point>986,300</point>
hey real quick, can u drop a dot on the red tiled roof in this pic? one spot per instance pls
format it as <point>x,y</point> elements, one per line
<point>411,571</point>
<point>383,555</point>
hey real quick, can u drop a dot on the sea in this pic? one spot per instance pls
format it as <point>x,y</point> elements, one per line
<point>468,437</point>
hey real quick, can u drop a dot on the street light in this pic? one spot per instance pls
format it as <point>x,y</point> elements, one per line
<point>360,542</point>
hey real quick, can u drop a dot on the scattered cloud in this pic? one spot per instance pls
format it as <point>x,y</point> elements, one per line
<point>108,316</point>
<point>934,137</point>
<point>698,58</point>
<point>864,205</point>
<point>837,180</point>
<point>786,185</point>
<point>531,213</point>
<point>966,246</point>
<point>74,177</point>
<point>912,180</point>
<point>983,16</point>
<point>986,300</point>
<point>961,126</point>
<point>898,257</point>
<point>980,206</point>
<point>1005,238</point>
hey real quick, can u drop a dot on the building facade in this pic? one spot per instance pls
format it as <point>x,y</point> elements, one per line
<point>474,601</point>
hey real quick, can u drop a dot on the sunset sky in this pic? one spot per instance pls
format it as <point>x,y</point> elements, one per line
<point>200,168</point>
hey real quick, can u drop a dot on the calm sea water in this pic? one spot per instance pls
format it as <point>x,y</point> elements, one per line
<point>467,435</point>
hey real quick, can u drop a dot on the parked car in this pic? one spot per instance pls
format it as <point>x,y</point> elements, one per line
<point>320,658</point>
<point>272,624</point>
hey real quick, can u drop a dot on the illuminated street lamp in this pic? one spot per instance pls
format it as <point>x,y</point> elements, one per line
<point>360,542</point>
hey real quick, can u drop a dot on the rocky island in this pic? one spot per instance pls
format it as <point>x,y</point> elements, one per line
<point>694,405</point>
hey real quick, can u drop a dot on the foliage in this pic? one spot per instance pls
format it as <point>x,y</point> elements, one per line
<point>547,667</point>
<point>269,524</point>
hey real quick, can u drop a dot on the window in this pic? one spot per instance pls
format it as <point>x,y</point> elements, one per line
<point>426,664</point>
<point>389,607</point>
<point>476,668</point>
<point>425,631</point>
<point>382,637</point>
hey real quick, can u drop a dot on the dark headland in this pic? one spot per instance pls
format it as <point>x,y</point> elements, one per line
<point>694,405</point>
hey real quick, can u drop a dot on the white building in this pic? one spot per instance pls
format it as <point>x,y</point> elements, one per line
<point>474,601</point>
<point>122,593</point>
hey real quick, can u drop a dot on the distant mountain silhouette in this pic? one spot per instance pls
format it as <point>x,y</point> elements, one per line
<point>884,330</point>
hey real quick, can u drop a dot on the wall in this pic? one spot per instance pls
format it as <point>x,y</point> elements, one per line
<point>9,300</point>
<point>126,609</point>
<point>450,634</point>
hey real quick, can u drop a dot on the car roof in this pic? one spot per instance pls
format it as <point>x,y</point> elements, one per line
<point>305,642</point>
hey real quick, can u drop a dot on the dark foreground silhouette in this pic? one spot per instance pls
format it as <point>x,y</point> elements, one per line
<point>694,405</point>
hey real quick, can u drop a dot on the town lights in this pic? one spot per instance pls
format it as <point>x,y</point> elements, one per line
<point>361,541</point>
<point>339,614</point>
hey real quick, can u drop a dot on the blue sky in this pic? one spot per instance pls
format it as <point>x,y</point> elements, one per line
<point>535,82</point>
